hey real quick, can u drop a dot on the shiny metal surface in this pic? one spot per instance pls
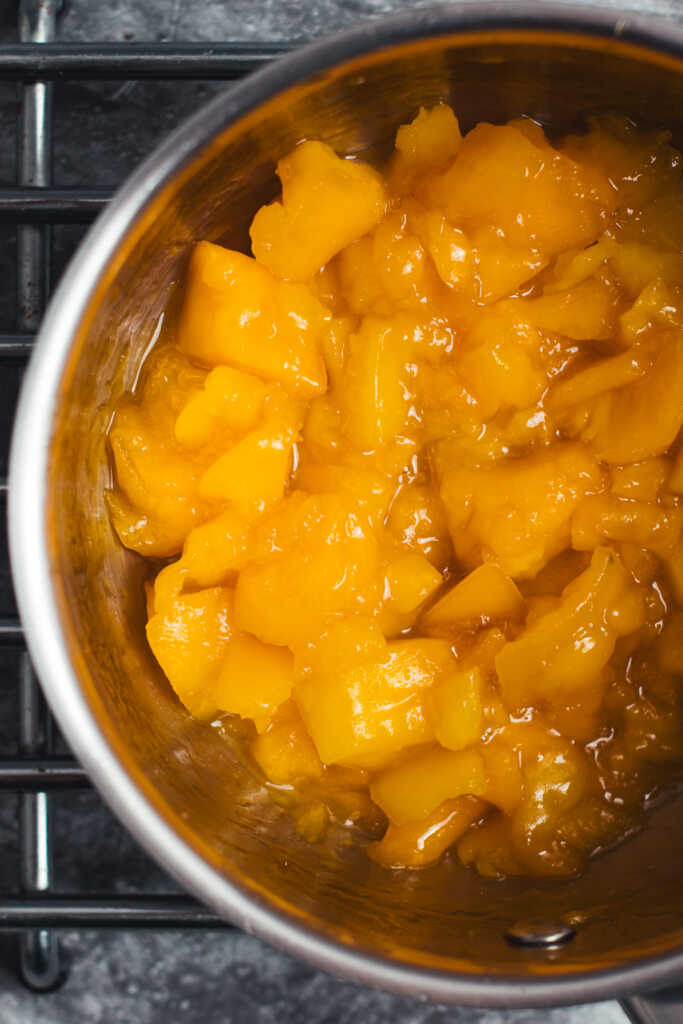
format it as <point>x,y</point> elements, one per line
<point>534,931</point>
<point>182,791</point>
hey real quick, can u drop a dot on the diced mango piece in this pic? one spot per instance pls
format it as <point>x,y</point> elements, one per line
<point>586,312</point>
<point>284,752</point>
<point>641,419</point>
<point>499,172</point>
<point>565,651</point>
<point>327,203</point>
<point>410,580</point>
<point>500,269</point>
<point>254,680</point>
<point>517,513</point>
<point>505,783</point>
<point>455,707</point>
<point>369,711</point>
<point>606,517</point>
<point>189,639</point>
<point>156,502</point>
<point>415,788</point>
<point>637,265</point>
<point>235,312</point>
<point>449,249</point>
<point>417,519</point>
<point>642,480</point>
<point>600,377</point>
<point>230,402</point>
<point>216,549</point>
<point>431,140</point>
<point>660,304</point>
<point>485,594</point>
<point>419,843</point>
<point>377,396</point>
<point>326,563</point>
<point>256,469</point>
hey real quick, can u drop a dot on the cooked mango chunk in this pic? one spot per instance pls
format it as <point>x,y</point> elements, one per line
<point>215,549</point>
<point>518,512</point>
<point>254,680</point>
<point>430,141</point>
<point>230,402</point>
<point>256,469</point>
<point>455,707</point>
<point>326,564</point>
<point>605,517</point>
<point>410,580</point>
<point>363,714</point>
<point>236,313</point>
<point>189,640</point>
<point>642,419</point>
<point>284,752</point>
<point>483,595</point>
<point>566,650</point>
<point>327,203</point>
<point>414,789</point>
<point>377,391</point>
<point>418,843</point>
<point>499,172</point>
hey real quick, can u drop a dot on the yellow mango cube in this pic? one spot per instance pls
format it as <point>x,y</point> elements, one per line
<point>327,203</point>
<point>563,652</point>
<point>189,639</point>
<point>325,563</point>
<point>517,513</point>
<point>584,313</point>
<point>284,751</point>
<point>254,680</point>
<point>363,714</point>
<point>415,788</point>
<point>256,469</point>
<point>607,517</point>
<point>410,580</point>
<point>455,707</point>
<point>235,312</point>
<point>500,171</point>
<point>486,594</point>
<point>231,402</point>
<point>377,390</point>
<point>642,419</point>
<point>418,843</point>
<point>431,140</point>
<point>216,549</point>
<point>417,520</point>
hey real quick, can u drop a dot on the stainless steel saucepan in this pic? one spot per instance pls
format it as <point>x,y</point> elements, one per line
<point>441,932</point>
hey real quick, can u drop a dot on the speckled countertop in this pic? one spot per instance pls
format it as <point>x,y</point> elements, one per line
<point>139,977</point>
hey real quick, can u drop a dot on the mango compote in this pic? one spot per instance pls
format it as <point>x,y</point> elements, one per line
<point>413,481</point>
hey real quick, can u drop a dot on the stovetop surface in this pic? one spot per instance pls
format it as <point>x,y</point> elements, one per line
<point>145,977</point>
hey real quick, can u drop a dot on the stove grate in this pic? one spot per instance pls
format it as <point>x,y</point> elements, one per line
<point>35,205</point>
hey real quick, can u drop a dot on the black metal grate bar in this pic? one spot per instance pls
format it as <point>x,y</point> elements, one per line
<point>14,347</point>
<point>51,205</point>
<point>47,773</point>
<point>34,205</point>
<point>11,632</point>
<point>107,911</point>
<point>50,61</point>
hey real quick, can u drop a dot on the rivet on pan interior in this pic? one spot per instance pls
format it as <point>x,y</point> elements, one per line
<point>540,932</point>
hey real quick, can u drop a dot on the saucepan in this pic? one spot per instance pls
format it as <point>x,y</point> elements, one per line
<point>442,932</point>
